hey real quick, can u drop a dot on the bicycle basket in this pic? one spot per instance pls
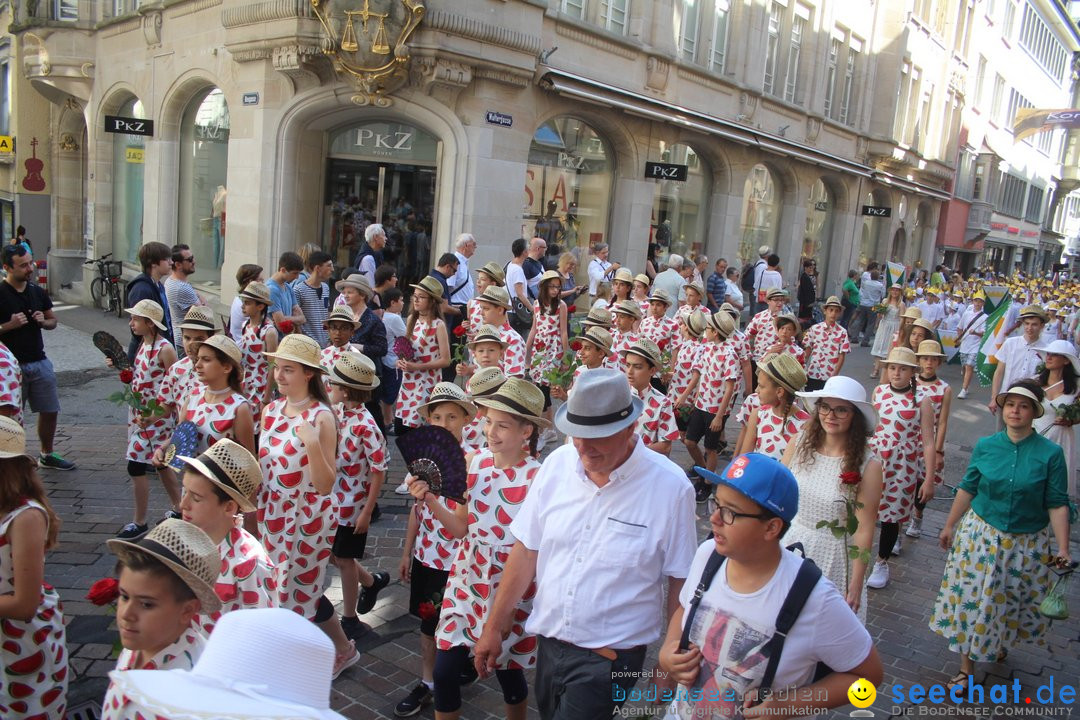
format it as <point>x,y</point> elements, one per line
<point>114,269</point>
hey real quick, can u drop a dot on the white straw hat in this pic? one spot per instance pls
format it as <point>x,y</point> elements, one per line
<point>198,317</point>
<point>12,438</point>
<point>227,346</point>
<point>151,311</point>
<point>354,370</point>
<point>232,468</point>
<point>356,281</point>
<point>257,291</point>
<point>600,405</point>
<point>298,349</point>
<point>517,397</point>
<point>851,390</point>
<point>1061,347</point>
<point>241,673</point>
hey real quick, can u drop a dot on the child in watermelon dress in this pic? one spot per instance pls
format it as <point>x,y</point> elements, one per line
<point>484,382</point>
<point>930,357</point>
<point>548,338</point>
<point>180,381</point>
<point>772,426</point>
<point>258,338</point>
<point>431,344</point>
<point>33,652</point>
<point>499,479</point>
<point>684,359</point>
<point>10,385</point>
<point>430,549</point>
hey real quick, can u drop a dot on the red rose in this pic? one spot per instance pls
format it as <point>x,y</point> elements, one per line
<point>663,343</point>
<point>104,591</point>
<point>850,478</point>
<point>572,309</point>
<point>459,331</point>
<point>426,610</point>
<point>285,327</point>
<point>576,345</point>
<point>127,375</point>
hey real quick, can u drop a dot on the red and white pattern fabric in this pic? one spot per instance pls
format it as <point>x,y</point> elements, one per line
<point>361,451</point>
<point>774,431</point>
<point>621,341</point>
<point>472,435</point>
<point>179,384</point>
<point>749,405</point>
<point>718,365</point>
<point>435,547</point>
<point>686,311</point>
<point>246,581</point>
<point>181,655</point>
<point>656,423</point>
<point>214,419</point>
<point>416,385</point>
<point>761,334</point>
<point>659,329</point>
<point>795,350</point>
<point>148,378</point>
<point>297,524</point>
<point>741,344</point>
<point>740,376</point>
<point>494,497</point>
<point>10,382</point>
<point>474,319</point>
<point>256,365</point>
<point>936,392</point>
<point>33,654</point>
<point>644,305</point>
<point>547,345</point>
<point>328,356</point>
<point>581,368</point>
<point>685,362</point>
<point>897,441</point>
<point>513,362</point>
<point>828,344</point>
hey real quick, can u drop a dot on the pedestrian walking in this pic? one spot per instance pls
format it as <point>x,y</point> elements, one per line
<point>778,419</point>
<point>827,345</point>
<point>712,389</point>
<point>626,316</point>
<point>217,404</point>
<point>179,293</point>
<point>888,326</point>
<point>547,341</point>
<point>494,303</point>
<point>656,426</point>
<point>930,358</point>
<point>260,337</point>
<point>431,353</point>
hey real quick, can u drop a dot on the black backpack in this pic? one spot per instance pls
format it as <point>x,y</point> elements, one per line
<point>746,280</point>
<point>805,581</point>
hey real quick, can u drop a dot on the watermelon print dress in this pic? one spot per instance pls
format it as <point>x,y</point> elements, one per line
<point>547,347</point>
<point>656,423</point>
<point>936,392</point>
<point>475,319</point>
<point>11,382</point>
<point>361,451</point>
<point>416,385</point>
<point>256,365</point>
<point>214,419</point>
<point>246,581</point>
<point>472,436</point>
<point>181,655</point>
<point>774,431</point>
<point>34,674</point>
<point>513,362</point>
<point>296,522</point>
<point>897,441</point>
<point>494,496</point>
<point>179,384</point>
<point>149,376</point>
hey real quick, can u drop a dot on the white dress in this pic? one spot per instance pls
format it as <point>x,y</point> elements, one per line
<point>889,325</point>
<point>1063,435</point>
<point>821,498</point>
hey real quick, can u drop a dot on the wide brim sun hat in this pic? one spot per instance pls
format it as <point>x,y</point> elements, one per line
<point>257,291</point>
<point>902,356</point>
<point>448,392</point>
<point>519,398</point>
<point>198,317</point>
<point>356,281</point>
<point>183,548</point>
<point>1023,392</point>
<point>600,404</point>
<point>12,438</point>
<point>840,387</point>
<point>149,310</point>
<point>354,370</point>
<point>1061,347</point>
<point>298,349</point>
<point>229,466</point>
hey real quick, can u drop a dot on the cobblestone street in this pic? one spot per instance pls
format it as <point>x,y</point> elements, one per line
<point>95,501</point>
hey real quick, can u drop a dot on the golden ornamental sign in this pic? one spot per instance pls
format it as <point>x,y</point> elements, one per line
<point>366,39</point>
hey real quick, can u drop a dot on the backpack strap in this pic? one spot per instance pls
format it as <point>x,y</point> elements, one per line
<point>707,575</point>
<point>805,581</point>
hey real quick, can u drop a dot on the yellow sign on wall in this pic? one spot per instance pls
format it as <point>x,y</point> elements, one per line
<point>7,144</point>
<point>134,155</point>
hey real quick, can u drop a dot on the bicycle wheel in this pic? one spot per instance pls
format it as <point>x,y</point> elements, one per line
<point>115,303</point>
<point>99,292</point>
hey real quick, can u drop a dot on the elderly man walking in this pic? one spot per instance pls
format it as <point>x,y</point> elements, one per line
<point>605,523</point>
<point>462,288</point>
<point>671,280</point>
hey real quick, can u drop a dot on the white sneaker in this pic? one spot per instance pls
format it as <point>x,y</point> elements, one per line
<point>914,527</point>
<point>897,547</point>
<point>402,489</point>
<point>961,395</point>
<point>879,578</point>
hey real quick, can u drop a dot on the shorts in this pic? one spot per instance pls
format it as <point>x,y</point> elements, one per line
<point>348,544</point>
<point>390,384</point>
<point>39,386</point>
<point>546,390</point>
<point>698,428</point>
<point>426,586</point>
<point>968,359</point>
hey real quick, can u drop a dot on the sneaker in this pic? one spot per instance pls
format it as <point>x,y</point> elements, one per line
<point>468,675</point>
<point>132,531</point>
<point>962,394</point>
<point>914,527</point>
<point>354,628</point>
<point>414,702</point>
<point>368,595</point>
<point>402,489</point>
<point>53,461</point>
<point>897,546</point>
<point>880,577</point>
<point>171,515</point>
<point>345,660</point>
<point>702,492</point>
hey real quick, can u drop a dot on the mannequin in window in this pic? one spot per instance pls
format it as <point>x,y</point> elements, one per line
<point>570,227</point>
<point>218,213</point>
<point>663,235</point>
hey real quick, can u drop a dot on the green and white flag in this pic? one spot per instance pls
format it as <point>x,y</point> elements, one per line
<point>997,304</point>
<point>894,274</point>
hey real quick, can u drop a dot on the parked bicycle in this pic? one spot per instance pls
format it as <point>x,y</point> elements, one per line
<point>105,288</point>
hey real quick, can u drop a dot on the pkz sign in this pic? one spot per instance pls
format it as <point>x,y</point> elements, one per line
<point>665,171</point>
<point>876,211</point>
<point>129,126</point>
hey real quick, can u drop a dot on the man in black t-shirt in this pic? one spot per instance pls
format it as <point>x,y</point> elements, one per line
<point>25,310</point>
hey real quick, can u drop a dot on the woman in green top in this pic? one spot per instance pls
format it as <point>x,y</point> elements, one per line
<point>997,571</point>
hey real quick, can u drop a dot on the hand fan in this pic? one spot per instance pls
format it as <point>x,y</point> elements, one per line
<point>434,456</point>
<point>112,349</point>
<point>185,442</point>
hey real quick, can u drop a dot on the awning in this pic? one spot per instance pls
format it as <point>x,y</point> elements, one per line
<point>909,185</point>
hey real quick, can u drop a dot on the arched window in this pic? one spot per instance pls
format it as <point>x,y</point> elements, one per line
<point>819,220</point>
<point>760,213</point>
<point>204,163</point>
<point>568,187</point>
<point>127,187</point>
<point>679,206</point>
<point>872,228</point>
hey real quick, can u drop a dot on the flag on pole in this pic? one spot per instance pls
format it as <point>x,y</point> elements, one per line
<point>894,274</point>
<point>997,304</point>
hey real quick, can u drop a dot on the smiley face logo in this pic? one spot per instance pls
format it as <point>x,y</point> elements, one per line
<point>862,693</point>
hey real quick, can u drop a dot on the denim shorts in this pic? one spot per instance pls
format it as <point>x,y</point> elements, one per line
<point>390,385</point>
<point>39,386</point>
<point>968,359</point>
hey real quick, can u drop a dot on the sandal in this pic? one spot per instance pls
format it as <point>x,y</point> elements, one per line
<point>960,680</point>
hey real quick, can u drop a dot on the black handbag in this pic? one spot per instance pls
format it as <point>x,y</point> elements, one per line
<point>521,315</point>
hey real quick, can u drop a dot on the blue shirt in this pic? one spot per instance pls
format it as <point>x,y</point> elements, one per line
<point>281,298</point>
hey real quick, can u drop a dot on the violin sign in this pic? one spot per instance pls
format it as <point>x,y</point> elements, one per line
<point>129,126</point>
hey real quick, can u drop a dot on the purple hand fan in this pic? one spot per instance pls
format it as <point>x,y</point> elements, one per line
<point>434,456</point>
<point>185,442</point>
<point>112,349</point>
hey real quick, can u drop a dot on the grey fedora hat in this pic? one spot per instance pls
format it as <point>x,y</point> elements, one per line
<point>600,405</point>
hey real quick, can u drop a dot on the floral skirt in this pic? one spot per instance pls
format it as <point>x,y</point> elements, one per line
<point>991,590</point>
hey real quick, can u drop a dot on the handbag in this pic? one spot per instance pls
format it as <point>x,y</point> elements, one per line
<point>522,314</point>
<point>1055,605</point>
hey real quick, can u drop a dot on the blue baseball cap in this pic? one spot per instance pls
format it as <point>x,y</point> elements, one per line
<point>762,479</point>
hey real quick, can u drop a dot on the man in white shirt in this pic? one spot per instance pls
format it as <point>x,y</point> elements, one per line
<point>770,277</point>
<point>871,292</point>
<point>759,268</point>
<point>733,294</point>
<point>1017,357</point>
<point>461,284</point>
<point>605,522</point>
<point>516,284</point>
<point>933,311</point>
<point>671,280</point>
<point>371,253</point>
<point>970,333</point>
<point>600,270</point>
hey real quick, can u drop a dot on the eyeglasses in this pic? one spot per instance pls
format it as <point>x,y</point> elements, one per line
<point>728,515</point>
<point>838,411</point>
<point>188,259</point>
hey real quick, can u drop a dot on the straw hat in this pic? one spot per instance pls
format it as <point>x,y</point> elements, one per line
<point>496,295</point>
<point>729,309</point>
<point>485,381</point>
<point>550,275</point>
<point>517,397</point>
<point>930,348</point>
<point>659,295</point>
<point>785,318</point>
<point>299,349</point>
<point>723,324</point>
<point>902,356</point>
<point>1034,311</point>
<point>777,292</point>
<point>354,370</point>
<point>925,325</point>
<point>598,317</point>
<point>240,673</point>
<point>493,271</point>
<point>257,291</point>
<point>833,301</point>
<point>342,313</point>
<point>784,370</point>
<point>12,438</point>
<point>627,307</point>
<point>646,348</point>
<point>696,287</point>
<point>225,344</point>
<point>598,336</point>
<point>232,468</point>
<point>643,279</point>
<point>429,285</point>
<point>151,311</point>
<point>448,392</point>
<point>764,250</point>
<point>1061,347</point>
<point>844,388</point>
<point>1024,393</point>
<point>356,281</point>
<point>912,312</point>
<point>623,275</point>
<point>488,334</point>
<point>695,323</point>
<point>601,403</point>
<point>184,549</point>
<point>198,317</point>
